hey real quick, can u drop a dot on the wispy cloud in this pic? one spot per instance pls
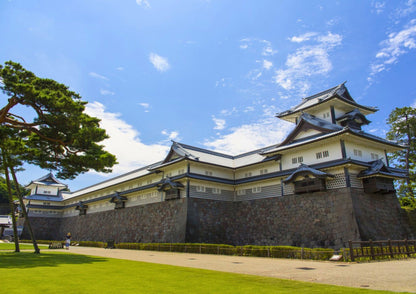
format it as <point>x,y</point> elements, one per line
<point>378,6</point>
<point>120,68</point>
<point>409,7</point>
<point>145,105</point>
<point>303,37</point>
<point>124,141</point>
<point>396,44</point>
<point>98,76</point>
<point>106,92</point>
<point>249,137</point>
<point>219,123</point>
<point>143,3</point>
<point>264,45</point>
<point>267,64</point>
<point>307,61</point>
<point>171,135</point>
<point>159,62</point>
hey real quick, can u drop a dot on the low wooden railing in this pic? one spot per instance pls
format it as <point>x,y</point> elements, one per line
<point>388,248</point>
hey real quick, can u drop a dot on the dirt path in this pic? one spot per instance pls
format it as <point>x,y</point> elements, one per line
<point>389,275</point>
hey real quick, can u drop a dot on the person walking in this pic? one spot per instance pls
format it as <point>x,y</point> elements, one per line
<point>67,241</point>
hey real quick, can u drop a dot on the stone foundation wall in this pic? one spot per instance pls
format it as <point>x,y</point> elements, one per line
<point>322,219</point>
<point>379,216</point>
<point>44,228</point>
<point>157,222</point>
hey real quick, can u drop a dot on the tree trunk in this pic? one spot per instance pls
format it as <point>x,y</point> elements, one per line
<point>23,207</point>
<point>12,208</point>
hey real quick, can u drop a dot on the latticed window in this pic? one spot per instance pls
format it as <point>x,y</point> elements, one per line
<point>200,188</point>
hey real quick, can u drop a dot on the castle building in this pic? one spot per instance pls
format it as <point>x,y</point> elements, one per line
<point>328,182</point>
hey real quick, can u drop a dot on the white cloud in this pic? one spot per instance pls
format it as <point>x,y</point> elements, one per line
<point>307,61</point>
<point>146,106</point>
<point>228,112</point>
<point>171,135</point>
<point>219,123</point>
<point>106,92</point>
<point>249,137</point>
<point>267,64</point>
<point>143,3</point>
<point>378,6</point>
<point>265,46</point>
<point>124,141</point>
<point>410,7</point>
<point>303,37</point>
<point>120,68</point>
<point>159,62</point>
<point>98,76</point>
<point>397,44</point>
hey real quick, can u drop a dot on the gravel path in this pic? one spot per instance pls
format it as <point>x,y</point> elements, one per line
<point>394,276</point>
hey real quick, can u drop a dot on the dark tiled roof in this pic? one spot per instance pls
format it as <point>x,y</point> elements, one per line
<point>379,168</point>
<point>339,91</point>
<point>304,169</point>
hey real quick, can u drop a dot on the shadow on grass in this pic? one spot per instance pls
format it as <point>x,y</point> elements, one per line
<point>31,260</point>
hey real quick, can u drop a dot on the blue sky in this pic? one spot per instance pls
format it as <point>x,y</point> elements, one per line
<point>210,73</point>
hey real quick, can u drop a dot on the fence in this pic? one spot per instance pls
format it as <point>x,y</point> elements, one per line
<point>375,249</point>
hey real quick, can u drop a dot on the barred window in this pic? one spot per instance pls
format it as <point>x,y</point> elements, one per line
<point>256,189</point>
<point>241,192</point>
<point>216,191</point>
<point>200,188</point>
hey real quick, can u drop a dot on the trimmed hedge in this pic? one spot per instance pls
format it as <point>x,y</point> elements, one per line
<point>218,249</point>
<point>222,249</point>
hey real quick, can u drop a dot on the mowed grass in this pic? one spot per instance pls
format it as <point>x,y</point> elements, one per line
<point>58,272</point>
<point>10,246</point>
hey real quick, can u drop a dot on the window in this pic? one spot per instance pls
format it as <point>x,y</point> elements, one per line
<point>208,173</point>
<point>294,160</point>
<point>358,152</point>
<point>248,174</point>
<point>326,115</point>
<point>169,174</point>
<point>216,191</point>
<point>46,192</point>
<point>149,182</point>
<point>300,159</point>
<point>374,156</point>
<point>263,171</point>
<point>181,171</point>
<point>241,192</point>
<point>322,154</point>
<point>200,188</point>
<point>256,189</point>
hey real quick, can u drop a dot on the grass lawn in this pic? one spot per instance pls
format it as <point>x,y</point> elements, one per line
<point>10,246</point>
<point>57,272</point>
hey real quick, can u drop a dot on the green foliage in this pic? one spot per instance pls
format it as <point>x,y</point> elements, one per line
<point>402,123</point>
<point>223,249</point>
<point>61,136</point>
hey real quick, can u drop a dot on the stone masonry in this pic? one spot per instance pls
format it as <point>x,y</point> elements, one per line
<point>320,219</point>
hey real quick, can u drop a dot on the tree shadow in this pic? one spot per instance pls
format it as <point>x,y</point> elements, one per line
<point>31,260</point>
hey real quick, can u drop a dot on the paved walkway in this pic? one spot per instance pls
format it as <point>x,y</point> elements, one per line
<point>387,275</point>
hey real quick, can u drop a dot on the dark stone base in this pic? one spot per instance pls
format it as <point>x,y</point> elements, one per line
<point>320,219</point>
